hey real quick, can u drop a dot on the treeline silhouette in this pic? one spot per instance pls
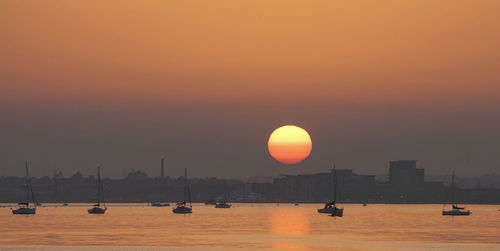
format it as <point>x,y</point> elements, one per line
<point>138,187</point>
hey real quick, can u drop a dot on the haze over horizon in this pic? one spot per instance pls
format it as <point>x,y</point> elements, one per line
<point>203,84</point>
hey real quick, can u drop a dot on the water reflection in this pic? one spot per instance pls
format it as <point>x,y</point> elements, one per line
<point>289,246</point>
<point>252,227</point>
<point>289,222</point>
<point>292,224</point>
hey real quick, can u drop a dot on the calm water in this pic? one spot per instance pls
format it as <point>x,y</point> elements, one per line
<point>252,227</point>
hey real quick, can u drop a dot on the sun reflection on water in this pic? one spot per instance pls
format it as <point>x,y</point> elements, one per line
<point>287,222</point>
<point>291,225</point>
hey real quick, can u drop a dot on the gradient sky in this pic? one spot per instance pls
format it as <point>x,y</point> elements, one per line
<point>121,84</point>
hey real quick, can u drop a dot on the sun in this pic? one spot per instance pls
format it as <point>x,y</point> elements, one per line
<point>289,144</point>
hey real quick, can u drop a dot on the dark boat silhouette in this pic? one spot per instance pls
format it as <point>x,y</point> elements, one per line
<point>455,209</point>
<point>332,207</point>
<point>223,203</point>
<point>97,208</point>
<point>182,207</point>
<point>24,207</point>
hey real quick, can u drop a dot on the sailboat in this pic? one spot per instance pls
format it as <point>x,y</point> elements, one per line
<point>331,207</point>
<point>97,209</point>
<point>455,209</point>
<point>182,207</point>
<point>224,203</point>
<point>161,204</point>
<point>25,206</point>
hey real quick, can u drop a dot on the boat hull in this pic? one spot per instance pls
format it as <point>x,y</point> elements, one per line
<point>160,204</point>
<point>337,212</point>
<point>97,210</point>
<point>24,210</point>
<point>222,206</point>
<point>327,210</point>
<point>456,212</point>
<point>182,210</point>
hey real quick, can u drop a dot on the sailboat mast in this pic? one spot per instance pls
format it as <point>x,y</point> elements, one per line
<point>185,184</point>
<point>187,190</point>
<point>102,188</point>
<point>335,184</point>
<point>161,179</point>
<point>225,191</point>
<point>26,181</point>
<point>453,188</point>
<point>98,185</point>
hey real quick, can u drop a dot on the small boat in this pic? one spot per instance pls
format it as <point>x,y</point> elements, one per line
<point>327,209</point>
<point>455,209</point>
<point>24,207</point>
<point>97,208</point>
<point>337,211</point>
<point>182,207</point>
<point>158,204</point>
<point>331,207</point>
<point>223,203</point>
<point>161,204</point>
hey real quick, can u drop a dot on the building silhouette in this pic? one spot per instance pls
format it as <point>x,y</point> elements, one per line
<point>406,181</point>
<point>406,184</point>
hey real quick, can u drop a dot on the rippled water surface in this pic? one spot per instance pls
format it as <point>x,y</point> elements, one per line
<point>251,227</point>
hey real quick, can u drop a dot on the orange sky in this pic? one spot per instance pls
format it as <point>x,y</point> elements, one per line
<point>277,51</point>
<point>373,81</point>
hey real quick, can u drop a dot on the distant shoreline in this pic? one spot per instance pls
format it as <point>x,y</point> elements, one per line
<point>59,204</point>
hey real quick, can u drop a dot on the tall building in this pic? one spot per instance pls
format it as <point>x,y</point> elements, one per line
<point>355,187</point>
<point>406,181</point>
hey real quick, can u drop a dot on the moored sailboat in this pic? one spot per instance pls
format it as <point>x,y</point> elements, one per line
<point>332,207</point>
<point>455,209</point>
<point>182,207</point>
<point>223,203</point>
<point>97,208</point>
<point>24,207</point>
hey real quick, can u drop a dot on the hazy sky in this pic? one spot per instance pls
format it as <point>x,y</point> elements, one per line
<point>121,84</point>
